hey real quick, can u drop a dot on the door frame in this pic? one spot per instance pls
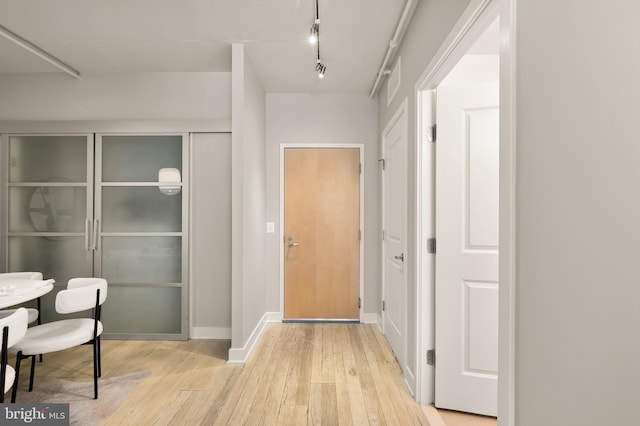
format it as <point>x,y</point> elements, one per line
<point>360,148</point>
<point>473,21</point>
<point>402,113</point>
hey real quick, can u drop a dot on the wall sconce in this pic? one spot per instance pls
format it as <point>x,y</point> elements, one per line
<point>170,181</point>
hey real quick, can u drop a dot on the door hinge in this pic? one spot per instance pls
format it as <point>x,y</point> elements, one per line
<point>360,168</point>
<point>359,303</point>
<point>384,306</point>
<point>359,235</point>
<point>432,133</point>
<point>383,163</point>
<point>383,235</point>
<point>431,246</point>
<point>431,357</point>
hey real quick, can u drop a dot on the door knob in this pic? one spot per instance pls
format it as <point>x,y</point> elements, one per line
<point>400,258</point>
<point>291,243</point>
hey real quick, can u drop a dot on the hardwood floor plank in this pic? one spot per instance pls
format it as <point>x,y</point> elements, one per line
<point>269,395</point>
<point>367,367</point>
<point>196,407</point>
<point>342,387</point>
<point>354,391</point>
<point>168,415</point>
<point>378,362</point>
<point>323,407</point>
<point>292,415</point>
<point>323,364</point>
<point>215,405</point>
<point>283,362</point>
<point>299,378</point>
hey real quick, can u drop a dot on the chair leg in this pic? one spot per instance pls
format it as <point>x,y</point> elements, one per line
<point>99,358</point>
<point>14,392</point>
<point>39,320</point>
<point>33,370</point>
<point>3,377</point>
<point>95,368</point>
<point>3,361</point>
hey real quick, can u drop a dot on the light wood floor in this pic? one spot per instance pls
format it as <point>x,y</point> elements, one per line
<point>333,374</point>
<point>454,418</point>
<point>440,417</point>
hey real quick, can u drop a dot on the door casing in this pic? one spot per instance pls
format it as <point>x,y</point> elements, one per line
<point>360,148</point>
<point>478,15</point>
<point>400,118</point>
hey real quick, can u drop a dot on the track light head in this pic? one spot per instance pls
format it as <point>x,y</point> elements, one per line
<point>321,70</point>
<point>313,34</point>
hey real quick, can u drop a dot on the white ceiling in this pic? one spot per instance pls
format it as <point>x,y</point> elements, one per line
<point>96,36</point>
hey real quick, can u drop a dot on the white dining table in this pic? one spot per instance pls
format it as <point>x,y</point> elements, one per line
<point>16,293</point>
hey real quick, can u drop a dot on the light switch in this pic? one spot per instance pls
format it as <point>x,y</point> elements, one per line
<point>271,227</point>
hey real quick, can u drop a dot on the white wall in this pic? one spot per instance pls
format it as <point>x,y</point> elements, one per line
<point>210,236</point>
<point>116,96</point>
<point>248,201</point>
<point>330,119</point>
<point>577,213</point>
<point>431,23</point>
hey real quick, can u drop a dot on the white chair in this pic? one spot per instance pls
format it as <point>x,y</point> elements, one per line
<point>80,295</point>
<point>13,328</point>
<point>34,314</point>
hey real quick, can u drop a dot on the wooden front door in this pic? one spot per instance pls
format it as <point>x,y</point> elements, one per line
<point>321,233</point>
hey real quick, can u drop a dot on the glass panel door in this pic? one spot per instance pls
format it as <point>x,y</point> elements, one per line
<point>49,204</point>
<point>141,244</point>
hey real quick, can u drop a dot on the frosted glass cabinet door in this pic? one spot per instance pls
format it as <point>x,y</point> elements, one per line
<point>49,205</point>
<point>141,244</point>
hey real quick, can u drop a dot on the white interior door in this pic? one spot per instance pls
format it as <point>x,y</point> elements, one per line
<point>394,149</point>
<point>467,247</point>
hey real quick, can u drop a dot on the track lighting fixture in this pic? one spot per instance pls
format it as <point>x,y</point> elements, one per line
<point>314,38</point>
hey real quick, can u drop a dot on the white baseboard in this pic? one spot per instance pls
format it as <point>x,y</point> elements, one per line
<point>241,355</point>
<point>210,333</point>
<point>372,319</point>
<point>410,380</point>
<point>369,318</point>
<point>273,316</point>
